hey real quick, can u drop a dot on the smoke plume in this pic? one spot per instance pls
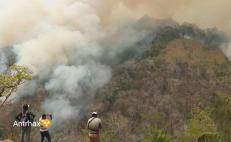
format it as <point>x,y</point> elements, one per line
<point>70,44</point>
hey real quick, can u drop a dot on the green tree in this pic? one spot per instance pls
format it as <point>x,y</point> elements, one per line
<point>108,136</point>
<point>199,125</point>
<point>157,135</point>
<point>221,113</point>
<point>210,138</point>
<point>9,81</point>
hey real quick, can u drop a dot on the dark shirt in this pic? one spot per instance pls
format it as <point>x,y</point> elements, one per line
<point>29,115</point>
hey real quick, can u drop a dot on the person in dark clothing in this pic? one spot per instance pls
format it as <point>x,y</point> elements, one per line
<point>25,116</point>
<point>44,135</point>
<point>44,120</point>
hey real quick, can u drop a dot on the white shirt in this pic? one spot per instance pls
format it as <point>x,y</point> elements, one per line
<point>42,129</point>
<point>94,124</point>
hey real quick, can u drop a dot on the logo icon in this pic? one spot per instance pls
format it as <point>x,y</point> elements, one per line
<point>46,123</point>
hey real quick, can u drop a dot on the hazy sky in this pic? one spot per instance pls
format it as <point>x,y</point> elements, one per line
<point>205,13</point>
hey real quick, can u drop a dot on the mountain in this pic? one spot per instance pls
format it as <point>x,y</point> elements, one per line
<point>162,90</point>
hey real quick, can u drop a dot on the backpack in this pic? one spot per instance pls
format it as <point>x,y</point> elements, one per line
<point>27,117</point>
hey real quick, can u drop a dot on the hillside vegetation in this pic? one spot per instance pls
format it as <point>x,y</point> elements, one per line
<point>179,94</point>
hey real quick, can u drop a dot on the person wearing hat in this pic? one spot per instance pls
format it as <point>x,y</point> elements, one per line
<point>26,117</point>
<point>94,125</point>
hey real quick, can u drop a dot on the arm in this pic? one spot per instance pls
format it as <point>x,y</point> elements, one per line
<point>51,116</point>
<point>41,122</point>
<point>88,124</point>
<point>100,125</point>
<point>32,114</point>
<point>18,117</point>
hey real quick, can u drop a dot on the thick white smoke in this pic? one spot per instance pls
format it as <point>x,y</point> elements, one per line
<point>6,58</point>
<point>65,51</point>
<point>3,62</point>
<point>66,46</point>
<point>71,83</point>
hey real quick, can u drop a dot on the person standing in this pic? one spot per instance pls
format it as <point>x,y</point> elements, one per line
<point>26,118</point>
<point>45,124</point>
<point>94,125</point>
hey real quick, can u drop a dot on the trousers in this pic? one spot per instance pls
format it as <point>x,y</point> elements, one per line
<point>25,135</point>
<point>46,135</point>
<point>94,137</point>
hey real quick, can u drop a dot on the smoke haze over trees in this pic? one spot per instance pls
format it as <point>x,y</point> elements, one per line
<point>74,48</point>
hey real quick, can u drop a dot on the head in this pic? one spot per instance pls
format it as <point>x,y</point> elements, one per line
<point>44,116</point>
<point>25,107</point>
<point>94,114</point>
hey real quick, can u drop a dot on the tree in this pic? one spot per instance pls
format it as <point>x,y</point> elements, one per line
<point>157,135</point>
<point>221,113</point>
<point>9,81</point>
<point>199,125</point>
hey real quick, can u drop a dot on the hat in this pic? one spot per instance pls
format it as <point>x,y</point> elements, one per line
<point>26,106</point>
<point>94,113</point>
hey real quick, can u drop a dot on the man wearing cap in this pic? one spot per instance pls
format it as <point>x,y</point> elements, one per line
<point>25,117</point>
<point>94,124</point>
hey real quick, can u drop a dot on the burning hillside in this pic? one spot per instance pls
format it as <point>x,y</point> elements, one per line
<point>108,56</point>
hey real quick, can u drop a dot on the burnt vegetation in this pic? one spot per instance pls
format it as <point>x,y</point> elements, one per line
<point>170,93</point>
